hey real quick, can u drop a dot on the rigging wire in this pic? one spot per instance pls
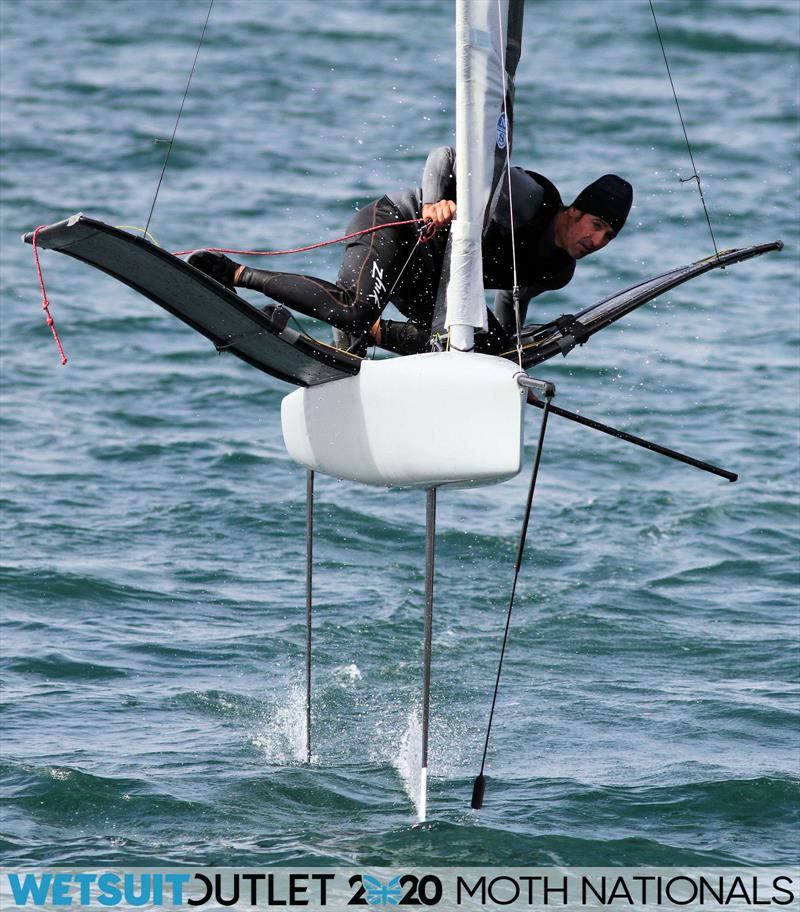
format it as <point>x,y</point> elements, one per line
<point>479,786</point>
<point>695,176</point>
<point>515,289</point>
<point>178,119</point>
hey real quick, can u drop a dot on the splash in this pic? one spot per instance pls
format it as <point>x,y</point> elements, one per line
<point>282,734</point>
<point>347,674</point>
<point>407,761</point>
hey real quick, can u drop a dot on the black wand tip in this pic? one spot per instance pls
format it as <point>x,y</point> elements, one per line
<point>478,789</point>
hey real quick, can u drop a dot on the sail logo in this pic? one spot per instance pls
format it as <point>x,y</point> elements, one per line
<point>502,131</point>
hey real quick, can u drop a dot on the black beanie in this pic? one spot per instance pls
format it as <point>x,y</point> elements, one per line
<point>609,198</point>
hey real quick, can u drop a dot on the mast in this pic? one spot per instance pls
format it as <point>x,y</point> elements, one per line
<point>488,42</point>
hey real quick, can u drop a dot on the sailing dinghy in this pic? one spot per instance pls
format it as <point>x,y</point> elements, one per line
<point>452,418</point>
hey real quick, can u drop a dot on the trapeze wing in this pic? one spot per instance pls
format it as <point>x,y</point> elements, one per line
<point>561,336</point>
<point>230,322</point>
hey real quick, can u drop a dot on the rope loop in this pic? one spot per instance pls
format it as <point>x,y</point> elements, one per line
<point>427,231</point>
<point>45,302</point>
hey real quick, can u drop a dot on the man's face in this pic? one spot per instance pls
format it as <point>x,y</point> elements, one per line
<point>580,233</point>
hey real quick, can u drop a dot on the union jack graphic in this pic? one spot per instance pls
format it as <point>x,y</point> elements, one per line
<point>382,894</point>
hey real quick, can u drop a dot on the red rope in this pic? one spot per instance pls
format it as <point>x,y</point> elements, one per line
<point>45,302</point>
<point>427,235</point>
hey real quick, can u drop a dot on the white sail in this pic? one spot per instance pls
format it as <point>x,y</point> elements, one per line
<point>487,51</point>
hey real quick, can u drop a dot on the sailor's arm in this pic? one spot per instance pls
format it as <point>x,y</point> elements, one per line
<point>439,192</point>
<point>439,186</point>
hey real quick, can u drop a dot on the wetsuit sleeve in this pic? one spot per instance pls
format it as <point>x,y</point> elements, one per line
<point>439,176</point>
<point>526,198</point>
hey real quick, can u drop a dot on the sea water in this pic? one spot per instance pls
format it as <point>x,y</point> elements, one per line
<point>153,539</point>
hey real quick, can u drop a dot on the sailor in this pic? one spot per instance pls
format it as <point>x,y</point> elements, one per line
<point>391,264</point>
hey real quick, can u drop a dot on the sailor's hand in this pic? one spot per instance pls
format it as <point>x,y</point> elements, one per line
<point>440,213</point>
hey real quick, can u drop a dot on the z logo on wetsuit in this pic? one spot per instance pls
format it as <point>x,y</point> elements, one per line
<point>377,274</point>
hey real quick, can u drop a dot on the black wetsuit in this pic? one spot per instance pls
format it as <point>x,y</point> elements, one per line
<point>389,265</point>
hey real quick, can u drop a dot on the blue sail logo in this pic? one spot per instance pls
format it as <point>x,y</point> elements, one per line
<point>502,132</point>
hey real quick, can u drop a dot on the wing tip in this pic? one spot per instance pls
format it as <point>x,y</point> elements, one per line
<point>27,238</point>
